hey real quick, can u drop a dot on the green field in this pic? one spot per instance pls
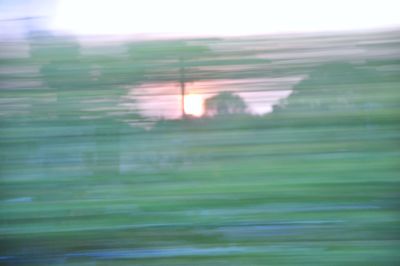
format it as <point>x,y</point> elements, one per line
<point>316,182</point>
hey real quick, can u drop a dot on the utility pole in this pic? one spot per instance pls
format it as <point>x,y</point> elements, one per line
<point>182,83</point>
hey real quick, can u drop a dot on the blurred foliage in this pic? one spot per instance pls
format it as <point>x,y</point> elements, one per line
<point>315,182</point>
<point>224,103</point>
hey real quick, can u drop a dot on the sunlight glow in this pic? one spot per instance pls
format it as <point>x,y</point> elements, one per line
<point>194,105</point>
<point>222,17</point>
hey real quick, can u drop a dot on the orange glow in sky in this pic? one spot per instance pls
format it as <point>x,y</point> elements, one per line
<point>194,105</point>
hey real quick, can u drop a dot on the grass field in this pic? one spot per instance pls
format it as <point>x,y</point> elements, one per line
<point>316,182</point>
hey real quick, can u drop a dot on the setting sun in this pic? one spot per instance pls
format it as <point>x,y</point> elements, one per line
<point>194,105</point>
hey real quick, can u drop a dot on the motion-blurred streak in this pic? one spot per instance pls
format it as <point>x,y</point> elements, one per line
<point>266,150</point>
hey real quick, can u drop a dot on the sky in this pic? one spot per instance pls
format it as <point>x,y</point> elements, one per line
<point>201,17</point>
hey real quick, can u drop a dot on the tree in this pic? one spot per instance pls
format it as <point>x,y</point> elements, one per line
<point>225,103</point>
<point>338,92</point>
<point>82,110</point>
<point>333,87</point>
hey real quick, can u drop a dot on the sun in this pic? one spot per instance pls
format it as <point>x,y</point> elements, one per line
<point>194,105</point>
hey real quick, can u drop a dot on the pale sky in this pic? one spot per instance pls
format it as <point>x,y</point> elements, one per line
<point>205,17</point>
<point>222,17</point>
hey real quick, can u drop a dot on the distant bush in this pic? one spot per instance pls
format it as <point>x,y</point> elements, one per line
<point>225,103</point>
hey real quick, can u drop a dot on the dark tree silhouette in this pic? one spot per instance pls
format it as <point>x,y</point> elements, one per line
<point>333,86</point>
<point>225,103</point>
